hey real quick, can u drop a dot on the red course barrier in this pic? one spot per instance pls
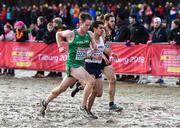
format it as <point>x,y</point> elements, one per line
<point>162,60</point>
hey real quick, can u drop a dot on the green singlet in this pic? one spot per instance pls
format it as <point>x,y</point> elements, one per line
<point>77,50</point>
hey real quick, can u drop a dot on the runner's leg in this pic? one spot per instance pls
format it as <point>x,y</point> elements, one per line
<point>108,71</point>
<point>97,92</point>
<point>66,82</point>
<point>81,74</point>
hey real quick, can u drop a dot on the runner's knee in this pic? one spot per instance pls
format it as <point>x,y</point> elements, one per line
<point>55,92</point>
<point>112,81</point>
<point>99,94</point>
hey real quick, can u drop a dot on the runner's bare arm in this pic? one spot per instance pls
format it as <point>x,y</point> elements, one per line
<point>65,34</point>
<point>68,34</point>
<point>109,52</point>
<point>105,59</point>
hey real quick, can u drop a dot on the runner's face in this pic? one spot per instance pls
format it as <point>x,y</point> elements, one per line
<point>86,25</point>
<point>111,22</point>
<point>99,30</point>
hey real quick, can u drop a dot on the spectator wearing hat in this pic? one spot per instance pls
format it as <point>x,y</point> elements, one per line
<point>159,35</point>
<point>21,31</point>
<point>21,35</point>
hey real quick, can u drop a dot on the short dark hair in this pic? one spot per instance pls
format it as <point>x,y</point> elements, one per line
<point>108,16</point>
<point>177,22</point>
<point>134,16</point>
<point>96,24</point>
<point>83,16</point>
<point>121,16</point>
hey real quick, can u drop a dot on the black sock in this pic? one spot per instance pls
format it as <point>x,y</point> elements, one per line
<point>111,103</point>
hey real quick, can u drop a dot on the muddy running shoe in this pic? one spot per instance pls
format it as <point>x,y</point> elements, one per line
<point>43,107</point>
<point>114,107</point>
<point>84,111</point>
<point>91,115</point>
<point>76,90</point>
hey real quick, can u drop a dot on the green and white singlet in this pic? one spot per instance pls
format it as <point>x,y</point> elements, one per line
<point>77,50</point>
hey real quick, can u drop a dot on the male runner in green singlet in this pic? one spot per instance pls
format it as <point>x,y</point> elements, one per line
<point>79,41</point>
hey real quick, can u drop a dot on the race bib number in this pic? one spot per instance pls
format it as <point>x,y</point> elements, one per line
<point>81,53</point>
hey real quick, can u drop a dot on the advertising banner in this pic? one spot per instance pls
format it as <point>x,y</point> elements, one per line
<point>132,59</point>
<point>34,56</point>
<point>165,60</point>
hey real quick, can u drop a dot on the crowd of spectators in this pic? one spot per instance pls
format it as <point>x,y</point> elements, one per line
<point>69,12</point>
<point>138,23</point>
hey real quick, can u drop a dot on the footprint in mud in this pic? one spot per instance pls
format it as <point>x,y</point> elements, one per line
<point>157,108</point>
<point>11,87</point>
<point>127,115</point>
<point>110,121</point>
<point>178,126</point>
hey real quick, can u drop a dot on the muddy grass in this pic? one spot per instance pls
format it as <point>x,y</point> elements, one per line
<point>144,106</point>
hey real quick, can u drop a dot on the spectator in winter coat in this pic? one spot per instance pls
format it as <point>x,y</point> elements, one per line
<point>122,31</point>
<point>21,35</point>
<point>40,29</point>
<point>138,33</point>
<point>21,31</point>
<point>174,36</point>
<point>8,35</point>
<point>58,26</point>
<point>122,35</point>
<point>50,35</point>
<point>38,32</point>
<point>159,35</point>
<point>50,38</point>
